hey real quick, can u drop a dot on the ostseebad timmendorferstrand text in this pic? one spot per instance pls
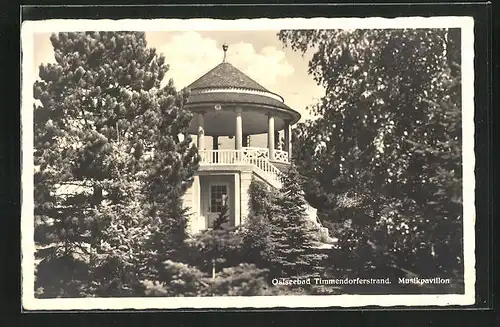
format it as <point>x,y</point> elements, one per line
<point>355,281</point>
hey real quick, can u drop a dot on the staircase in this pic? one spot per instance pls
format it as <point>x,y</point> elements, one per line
<point>264,168</point>
<point>257,157</point>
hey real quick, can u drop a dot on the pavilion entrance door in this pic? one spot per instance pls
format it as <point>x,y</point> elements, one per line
<point>218,199</point>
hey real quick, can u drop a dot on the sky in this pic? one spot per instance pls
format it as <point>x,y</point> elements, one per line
<point>259,54</point>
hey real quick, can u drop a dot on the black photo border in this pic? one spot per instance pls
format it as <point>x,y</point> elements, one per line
<point>485,132</point>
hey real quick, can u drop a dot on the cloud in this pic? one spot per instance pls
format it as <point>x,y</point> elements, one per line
<point>190,55</point>
<point>264,66</point>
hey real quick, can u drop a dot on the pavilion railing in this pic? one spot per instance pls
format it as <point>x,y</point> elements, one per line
<point>258,157</point>
<point>280,155</point>
<point>254,153</point>
<point>228,156</point>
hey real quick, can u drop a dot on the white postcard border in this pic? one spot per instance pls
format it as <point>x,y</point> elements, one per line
<point>29,302</point>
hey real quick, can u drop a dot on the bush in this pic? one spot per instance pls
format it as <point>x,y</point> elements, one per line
<point>242,280</point>
<point>222,246</point>
<point>177,279</point>
<point>62,276</point>
<point>257,244</point>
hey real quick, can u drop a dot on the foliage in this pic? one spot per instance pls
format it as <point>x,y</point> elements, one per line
<point>384,154</point>
<point>293,235</point>
<point>278,234</point>
<point>222,219</point>
<point>110,167</point>
<point>261,199</point>
<point>61,276</point>
<point>242,280</point>
<point>176,279</point>
<point>183,280</point>
<point>257,244</point>
<point>220,246</point>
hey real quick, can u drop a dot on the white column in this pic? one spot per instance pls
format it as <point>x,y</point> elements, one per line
<point>245,181</point>
<point>237,200</point>
<point>270,136</point>
<point>201,131</point>
<point>238,139</point>
<point>288,140</point>
<point>191,200</point>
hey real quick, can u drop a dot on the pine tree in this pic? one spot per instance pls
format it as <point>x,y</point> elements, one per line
<point>110,167</point>
<point>218,247</point>
<point>222,219</point>
<point>292,235</point>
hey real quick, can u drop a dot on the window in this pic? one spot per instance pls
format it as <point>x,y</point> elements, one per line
<point>218,197</point>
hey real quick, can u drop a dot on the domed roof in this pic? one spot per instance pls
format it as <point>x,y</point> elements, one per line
<point>225,89</point>
<point>226,75</point>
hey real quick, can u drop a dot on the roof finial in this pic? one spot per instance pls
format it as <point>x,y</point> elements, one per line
<point>224,47</point>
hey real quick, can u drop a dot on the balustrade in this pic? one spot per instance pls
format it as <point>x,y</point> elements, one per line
<point>258,157</point>
<point>230,156</point>
<point>280,155</point>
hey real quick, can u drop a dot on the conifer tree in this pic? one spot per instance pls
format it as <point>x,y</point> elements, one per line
<point>110,167</point>
<point>292,235</point>
<point>222,219</point>
<point>217,247</point>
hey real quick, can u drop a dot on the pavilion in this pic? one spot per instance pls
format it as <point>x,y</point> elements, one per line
<point>226,102</point>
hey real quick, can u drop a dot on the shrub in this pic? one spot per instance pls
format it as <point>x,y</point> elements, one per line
<point>176,279</point>
<point>62,276</point>
<point>217,246</point>
<point>242,280</point>
<point>257,244</point>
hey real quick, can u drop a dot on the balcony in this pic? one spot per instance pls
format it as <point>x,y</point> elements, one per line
<point>257,157</point>
<point>230,156</point>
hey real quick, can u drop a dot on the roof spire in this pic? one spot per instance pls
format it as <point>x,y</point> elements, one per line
<point>225,47</point>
